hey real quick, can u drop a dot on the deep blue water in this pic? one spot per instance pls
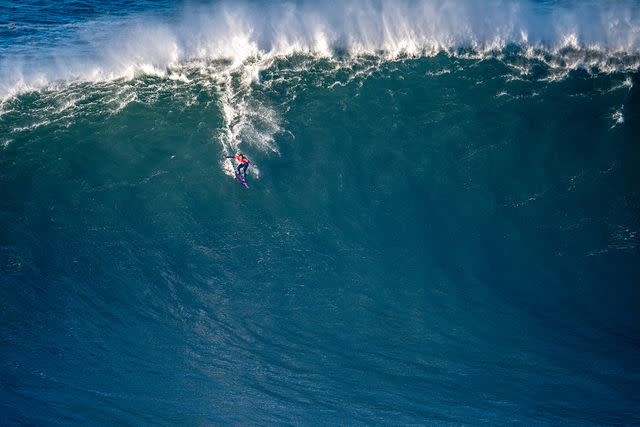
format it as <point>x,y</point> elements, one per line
<point>441,226</point>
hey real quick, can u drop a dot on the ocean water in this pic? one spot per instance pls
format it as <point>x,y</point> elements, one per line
<point>441,226</point>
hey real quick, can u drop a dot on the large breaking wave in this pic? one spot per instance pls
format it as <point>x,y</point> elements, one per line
<point>226,47</point>
<point>446,226</point>
<point>588,34</point>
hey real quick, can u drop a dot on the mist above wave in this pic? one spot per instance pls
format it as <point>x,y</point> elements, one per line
<point>237,29</point>
<point>243,31</point>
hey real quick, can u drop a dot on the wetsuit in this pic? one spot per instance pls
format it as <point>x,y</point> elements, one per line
<point>242,167</point>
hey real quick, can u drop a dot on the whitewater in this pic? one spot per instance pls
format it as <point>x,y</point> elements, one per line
<point>441,225</point>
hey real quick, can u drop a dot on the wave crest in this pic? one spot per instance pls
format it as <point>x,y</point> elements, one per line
<point>589,34</point>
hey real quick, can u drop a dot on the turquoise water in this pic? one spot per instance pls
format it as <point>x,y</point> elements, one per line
<point>432,236</point>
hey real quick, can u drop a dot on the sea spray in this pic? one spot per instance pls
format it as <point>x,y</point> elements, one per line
<point>573,34</point>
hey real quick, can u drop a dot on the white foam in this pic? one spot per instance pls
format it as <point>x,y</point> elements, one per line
<point>618,118</point>
<point>586,33</point>
<point>31,126</point>
<point>247,121</point>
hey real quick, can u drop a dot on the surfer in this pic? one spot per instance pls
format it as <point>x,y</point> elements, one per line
<point>243,165</point>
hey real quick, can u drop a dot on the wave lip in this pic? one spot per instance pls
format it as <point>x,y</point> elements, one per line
<point>600,34</point>
<point>410,26</point>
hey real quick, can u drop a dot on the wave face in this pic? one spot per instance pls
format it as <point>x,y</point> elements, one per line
<point>442,225</point>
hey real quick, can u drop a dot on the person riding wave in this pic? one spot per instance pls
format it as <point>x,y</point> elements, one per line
<point>243,164</point>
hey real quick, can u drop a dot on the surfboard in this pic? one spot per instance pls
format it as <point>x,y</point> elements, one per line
<point>241,180</point>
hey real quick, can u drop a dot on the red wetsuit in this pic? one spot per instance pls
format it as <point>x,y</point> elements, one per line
<point>241,159</point>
